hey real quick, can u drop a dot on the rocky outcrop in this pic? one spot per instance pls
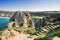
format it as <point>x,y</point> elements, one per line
<point>27,20</point>
<point>13,24</point>
<point>23,19</point>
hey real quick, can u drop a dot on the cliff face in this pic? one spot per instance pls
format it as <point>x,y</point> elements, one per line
<point>23,18</point>
<point>52,15</point>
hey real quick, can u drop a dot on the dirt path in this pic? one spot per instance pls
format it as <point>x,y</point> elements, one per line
<point>18,36</point>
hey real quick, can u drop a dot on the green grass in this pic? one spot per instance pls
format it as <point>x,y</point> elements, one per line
<point>38,17</point>
<point>1,33</point>
<point>27,30</point>
<point>53,33</point>
<point>56,38</point>
<point>40,37</point>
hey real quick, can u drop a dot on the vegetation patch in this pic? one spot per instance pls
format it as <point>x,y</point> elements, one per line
<point>27,30</point>
<point>39,17</point>
<point>1,33</point>
<point>49,35</point>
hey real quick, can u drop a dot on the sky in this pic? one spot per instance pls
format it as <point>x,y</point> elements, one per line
<point>30,5</point>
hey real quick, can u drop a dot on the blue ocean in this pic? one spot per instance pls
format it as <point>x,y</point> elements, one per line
<point>3,23</point>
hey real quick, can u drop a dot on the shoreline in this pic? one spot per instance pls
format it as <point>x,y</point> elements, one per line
<point>5,17</point>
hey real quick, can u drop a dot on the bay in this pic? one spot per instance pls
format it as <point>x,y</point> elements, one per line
<point>4,22</point>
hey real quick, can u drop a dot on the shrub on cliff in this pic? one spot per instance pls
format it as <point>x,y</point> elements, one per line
<point>28,30</point>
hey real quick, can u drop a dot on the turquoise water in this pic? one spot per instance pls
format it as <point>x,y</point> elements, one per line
<point>3,23</point>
